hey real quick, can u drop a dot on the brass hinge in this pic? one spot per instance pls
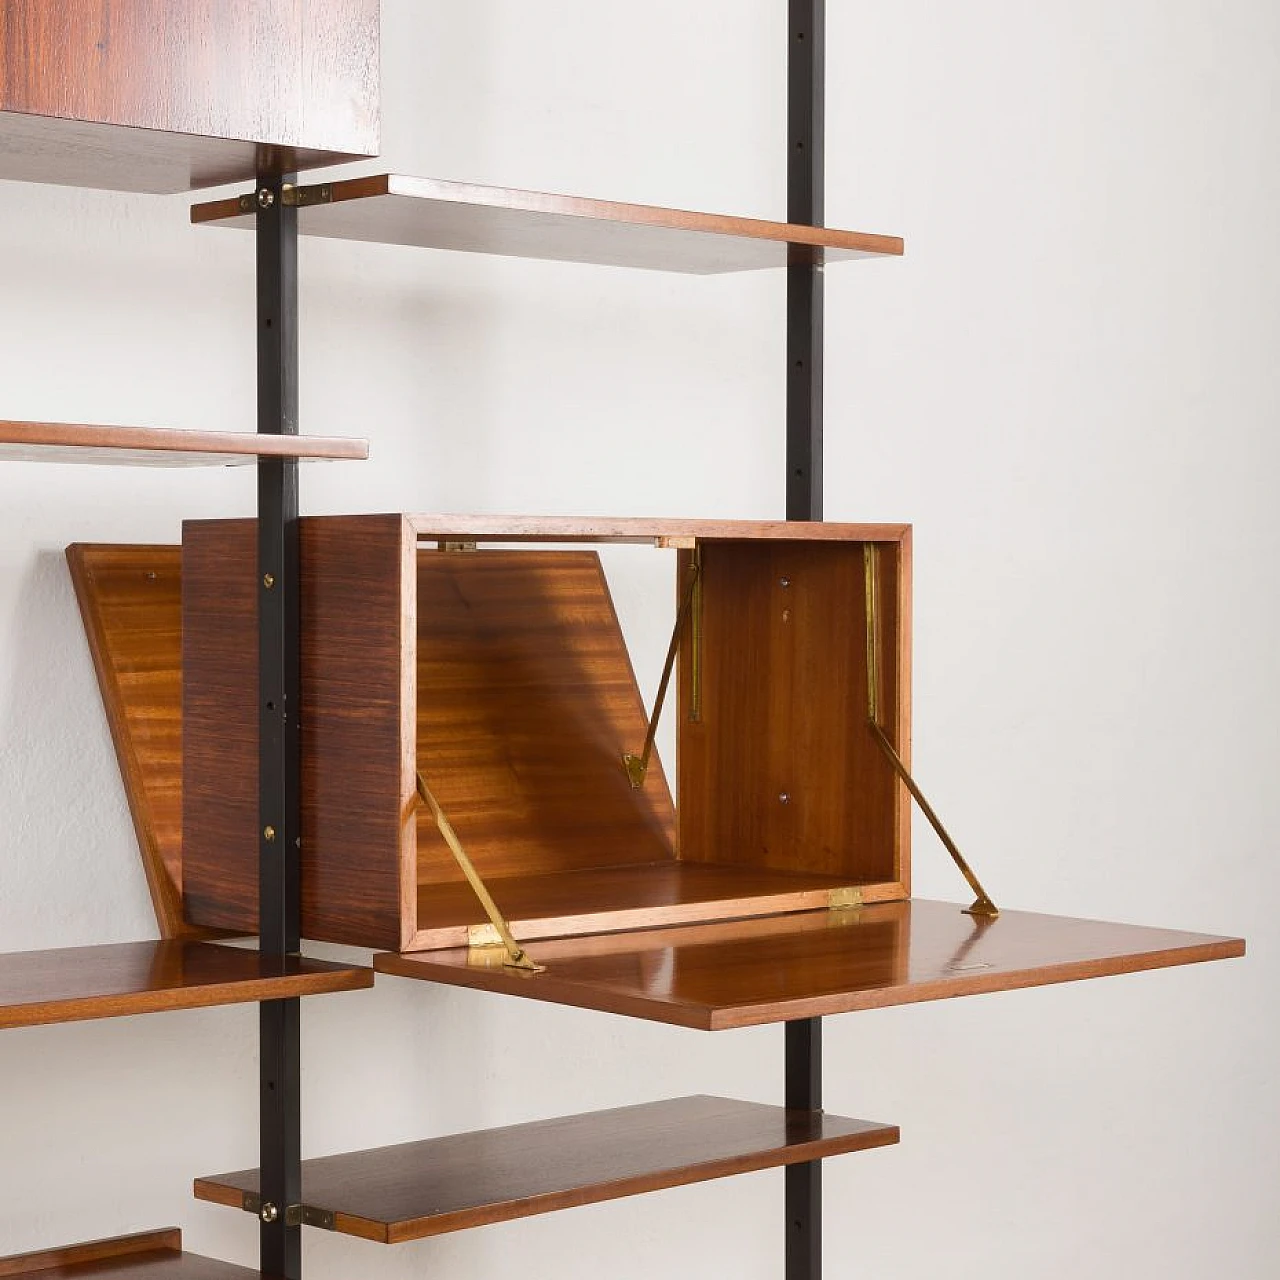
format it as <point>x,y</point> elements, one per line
<point>456,547</point>
<point>843,899</point>
<point>296,1215</point>
<point>305,197</point>
<point>517,957</point>
<point>982,904</point>
<point>637,766</point>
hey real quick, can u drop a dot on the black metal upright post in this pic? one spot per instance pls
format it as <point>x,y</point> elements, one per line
<point>806,97</point>
<point>806,65</point>
<point>279,767</point>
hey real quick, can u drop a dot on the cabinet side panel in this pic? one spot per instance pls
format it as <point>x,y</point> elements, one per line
<point>359,700</point>
<point>220,724</point>
<point>782,770</point>
<point>269,71</point>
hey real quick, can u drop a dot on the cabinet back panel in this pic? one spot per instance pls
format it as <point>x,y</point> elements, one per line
<point>782,771</point>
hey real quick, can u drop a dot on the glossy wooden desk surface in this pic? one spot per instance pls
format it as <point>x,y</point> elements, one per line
<point>809,964</point>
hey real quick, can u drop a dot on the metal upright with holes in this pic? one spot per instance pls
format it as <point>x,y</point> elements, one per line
<point>279,764</point>
<point>806,59</point>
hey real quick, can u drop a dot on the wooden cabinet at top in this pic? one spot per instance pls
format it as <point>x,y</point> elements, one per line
<point>502,675</point>
<point>162,95</point>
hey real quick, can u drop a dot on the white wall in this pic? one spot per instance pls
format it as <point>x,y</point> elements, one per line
<point>1069,385</point>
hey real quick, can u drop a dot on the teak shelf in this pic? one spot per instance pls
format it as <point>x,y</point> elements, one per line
<point>163,446</point>
<point>153,1255</point>
<point>811,964</point>
<point>395,1194</point>
<point>432,214</point>
<point>157,97</point>
<point>76,983</point>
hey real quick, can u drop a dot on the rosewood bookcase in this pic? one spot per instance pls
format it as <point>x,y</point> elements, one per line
<point>423,735</point>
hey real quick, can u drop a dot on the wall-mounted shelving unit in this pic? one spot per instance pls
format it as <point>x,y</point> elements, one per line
<point>779,890</point>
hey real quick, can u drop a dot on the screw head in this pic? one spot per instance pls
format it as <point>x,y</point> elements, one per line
<point>784,797</point>
<point>269,834</point>
<point>269,1212</point>
<point>266,197</point>
<point>268,580</point>
<point>784,582</point>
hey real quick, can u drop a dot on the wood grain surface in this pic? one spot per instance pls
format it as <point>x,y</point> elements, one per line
<point>150,1242</point>
<point>816,963</point>
<point>433,214</point>
<point>527,701</point>
<point>76,983</point>
<point>131,602</point>
<point>781,770</point>
<point>149,95</point>
<point>641,529</point>
<point>406,1192</point>
<point>162,446</point>
<point>358,694</point>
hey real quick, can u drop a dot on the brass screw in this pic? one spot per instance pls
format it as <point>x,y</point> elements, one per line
<point>269,833</point>
<point>269,1212</point>
<point>266,198</point>
<point>784,798</point>
<point>785,582</point>
<point>268,580</point>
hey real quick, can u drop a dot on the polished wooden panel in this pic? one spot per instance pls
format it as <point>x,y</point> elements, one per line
<point>131,602</point>
<point>816,963</point>
<point>418,1189</point>
<point>432,214</point>
<point>75,983</point>
<point>781,769</point>
<point>220,725</point>
<point>527,702</point>
<point>161,446</point>
<point>641,530</point>
<point>149,95</point>
<point>596,899</point>
<point>358,697</point>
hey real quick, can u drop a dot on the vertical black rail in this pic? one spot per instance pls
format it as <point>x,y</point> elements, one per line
<point>279,766</point>
<point>806,67</point>
<point>804,1181</point>
<point>806,54</point>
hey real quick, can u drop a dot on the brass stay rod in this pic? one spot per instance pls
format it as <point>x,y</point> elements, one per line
<point>517,956</point>
<point>637,766</point>
<point>982,906</point>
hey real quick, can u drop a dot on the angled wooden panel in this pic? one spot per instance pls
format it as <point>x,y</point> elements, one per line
<point>153,95</point>
<point>131,602</point>
<point>418,1189</point>
<point>781,769</point>
<point>814,963</point>
<point>527,702</point>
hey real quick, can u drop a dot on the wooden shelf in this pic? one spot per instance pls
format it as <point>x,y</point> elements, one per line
<point>394,1194</point>
<point>76,983</point>
<point>433,214</point>
<point>153,1255</point>
<point>815,963</point>
<point>163,446</point>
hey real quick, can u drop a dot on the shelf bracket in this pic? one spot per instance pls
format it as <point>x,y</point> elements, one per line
<point>637,766</point>
<point>296,1215</point>
<point>517,957</point>
<point>982,904</point>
